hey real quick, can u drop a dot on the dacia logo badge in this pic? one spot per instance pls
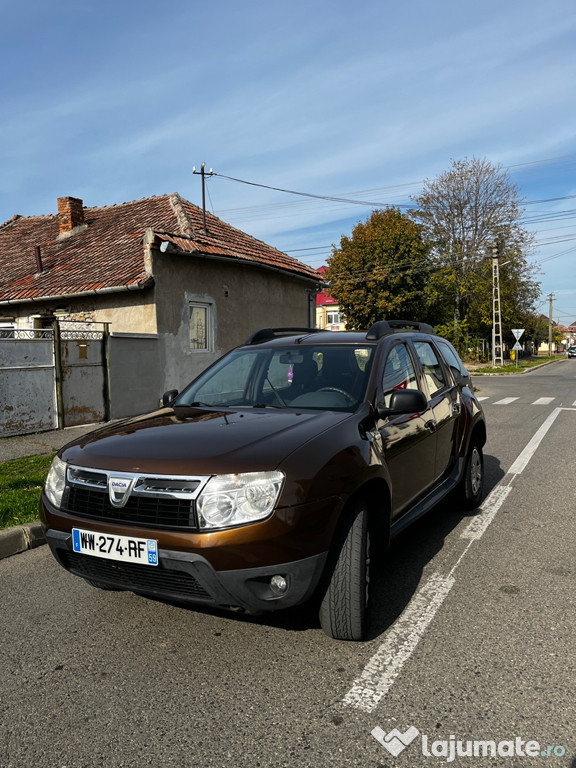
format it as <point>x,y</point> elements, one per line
<point>119,490</point>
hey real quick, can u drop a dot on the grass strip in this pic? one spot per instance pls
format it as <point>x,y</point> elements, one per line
<point>531,362</point>
<point>21,482</point>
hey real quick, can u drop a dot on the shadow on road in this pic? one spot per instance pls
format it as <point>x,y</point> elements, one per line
<point>397,577</point>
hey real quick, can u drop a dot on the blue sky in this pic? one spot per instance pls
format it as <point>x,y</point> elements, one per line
<point>114,101</point>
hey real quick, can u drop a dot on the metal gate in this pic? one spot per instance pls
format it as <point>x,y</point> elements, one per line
<point>27,391</point>
<point>82,381</point>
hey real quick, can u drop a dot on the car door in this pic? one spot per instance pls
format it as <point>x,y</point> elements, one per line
<point>408,440</point>
<point>444,400</point>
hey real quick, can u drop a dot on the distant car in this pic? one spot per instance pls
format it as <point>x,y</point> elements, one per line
<point>281,472</point>
<point>571,351</point>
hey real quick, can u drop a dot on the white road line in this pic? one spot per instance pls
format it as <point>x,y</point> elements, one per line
<point>482,398</point>
<point>383,668</point>
<point>522,460</point>
<point>506,401</point>
<point>543,401</point>
<point>486,512</point>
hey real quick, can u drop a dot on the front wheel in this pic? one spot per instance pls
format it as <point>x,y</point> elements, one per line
<point>345,594</point>
<point>473,480</point>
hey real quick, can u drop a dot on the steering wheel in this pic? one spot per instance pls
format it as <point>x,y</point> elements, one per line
<point>348,397</point>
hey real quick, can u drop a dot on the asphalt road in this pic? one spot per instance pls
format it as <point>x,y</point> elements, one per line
<point>472,641</point>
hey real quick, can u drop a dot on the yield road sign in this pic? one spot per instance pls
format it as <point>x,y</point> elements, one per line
<point>517,333</point>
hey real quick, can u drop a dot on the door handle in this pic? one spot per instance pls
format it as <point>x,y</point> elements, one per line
<point>431,425</point>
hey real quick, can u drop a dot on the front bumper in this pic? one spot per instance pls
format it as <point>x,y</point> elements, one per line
<point>189,577</point>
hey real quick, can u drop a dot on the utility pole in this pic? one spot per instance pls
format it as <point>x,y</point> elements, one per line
<point>202,172</point>
<point>550,298</point>
<point>497,356</point>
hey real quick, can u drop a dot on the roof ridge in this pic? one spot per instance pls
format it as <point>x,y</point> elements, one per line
<point>184,221</point>
<point>128,202</point>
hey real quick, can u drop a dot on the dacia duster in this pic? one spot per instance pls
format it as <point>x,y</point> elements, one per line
<point>278,474</point>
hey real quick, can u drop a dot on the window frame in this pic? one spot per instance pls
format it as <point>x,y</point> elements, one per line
<point>207,306</point>
<point>386,394</point>
<point>447,373</point>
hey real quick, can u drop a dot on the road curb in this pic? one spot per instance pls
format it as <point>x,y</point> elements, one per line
<point>19,538</point>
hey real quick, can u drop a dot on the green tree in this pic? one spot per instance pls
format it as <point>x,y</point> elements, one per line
<point>380,271</point>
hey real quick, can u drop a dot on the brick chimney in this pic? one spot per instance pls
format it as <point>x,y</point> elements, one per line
<point>70,214</point>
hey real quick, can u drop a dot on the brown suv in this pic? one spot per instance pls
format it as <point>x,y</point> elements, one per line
<point>275,474</point>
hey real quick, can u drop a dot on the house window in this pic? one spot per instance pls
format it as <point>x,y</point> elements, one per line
<point>333,318</point>
<point>200,329</point>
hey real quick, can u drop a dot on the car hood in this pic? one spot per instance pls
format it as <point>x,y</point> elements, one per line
<point>185,441</point>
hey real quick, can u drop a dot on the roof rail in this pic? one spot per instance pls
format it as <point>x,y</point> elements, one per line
<point>265,334</point>
<point>382,327</point>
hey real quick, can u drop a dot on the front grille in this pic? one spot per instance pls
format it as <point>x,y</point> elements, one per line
<point>133,576</point>
<point>165,512</point>
<point>151,501</point>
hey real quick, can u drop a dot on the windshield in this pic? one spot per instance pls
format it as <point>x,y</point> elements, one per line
<point>326,377</point>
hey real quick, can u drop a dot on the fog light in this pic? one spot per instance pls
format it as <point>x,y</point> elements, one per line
<point>278,585</point>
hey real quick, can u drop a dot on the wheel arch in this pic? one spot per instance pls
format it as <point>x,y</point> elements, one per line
<point>376,493</point>
<point>478,433</point>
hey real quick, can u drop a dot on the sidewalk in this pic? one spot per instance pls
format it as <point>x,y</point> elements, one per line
<point>20,538</point>
<point>41,442</point>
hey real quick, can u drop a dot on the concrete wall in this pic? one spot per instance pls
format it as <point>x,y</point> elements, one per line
<point>242,299</point>
<point>135,377</point>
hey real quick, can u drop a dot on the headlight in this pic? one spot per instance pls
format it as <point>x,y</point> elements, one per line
<point>237,499</point>
<point>56,481</point>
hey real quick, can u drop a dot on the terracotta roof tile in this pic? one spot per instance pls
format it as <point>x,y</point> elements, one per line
<point>109,252</point>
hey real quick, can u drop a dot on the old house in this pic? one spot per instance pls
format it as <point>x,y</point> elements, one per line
<point>167,287</point>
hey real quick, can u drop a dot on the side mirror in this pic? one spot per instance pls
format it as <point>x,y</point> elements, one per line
<point>403,401</point>
<point>168,397</point>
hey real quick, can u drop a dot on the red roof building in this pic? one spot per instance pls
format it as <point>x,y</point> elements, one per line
<point>157,266</point>
<point>328,313</point>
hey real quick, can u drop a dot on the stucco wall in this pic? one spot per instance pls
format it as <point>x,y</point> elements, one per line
<point>127,312</point>
<point>243,299</point>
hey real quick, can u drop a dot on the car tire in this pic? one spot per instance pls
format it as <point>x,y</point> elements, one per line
<point>344,606</point>
<point>473,481</point>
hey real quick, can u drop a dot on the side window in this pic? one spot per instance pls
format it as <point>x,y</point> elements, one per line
<point>456,365</point>
<point>399,372</point>
<point>433,372</point>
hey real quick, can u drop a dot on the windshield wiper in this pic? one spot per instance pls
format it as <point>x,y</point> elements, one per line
<point>199,404</point>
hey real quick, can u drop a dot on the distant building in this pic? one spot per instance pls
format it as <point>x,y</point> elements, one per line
<point>328,315</point>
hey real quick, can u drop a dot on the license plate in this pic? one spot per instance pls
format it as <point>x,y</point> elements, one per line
<point>126,548</point>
